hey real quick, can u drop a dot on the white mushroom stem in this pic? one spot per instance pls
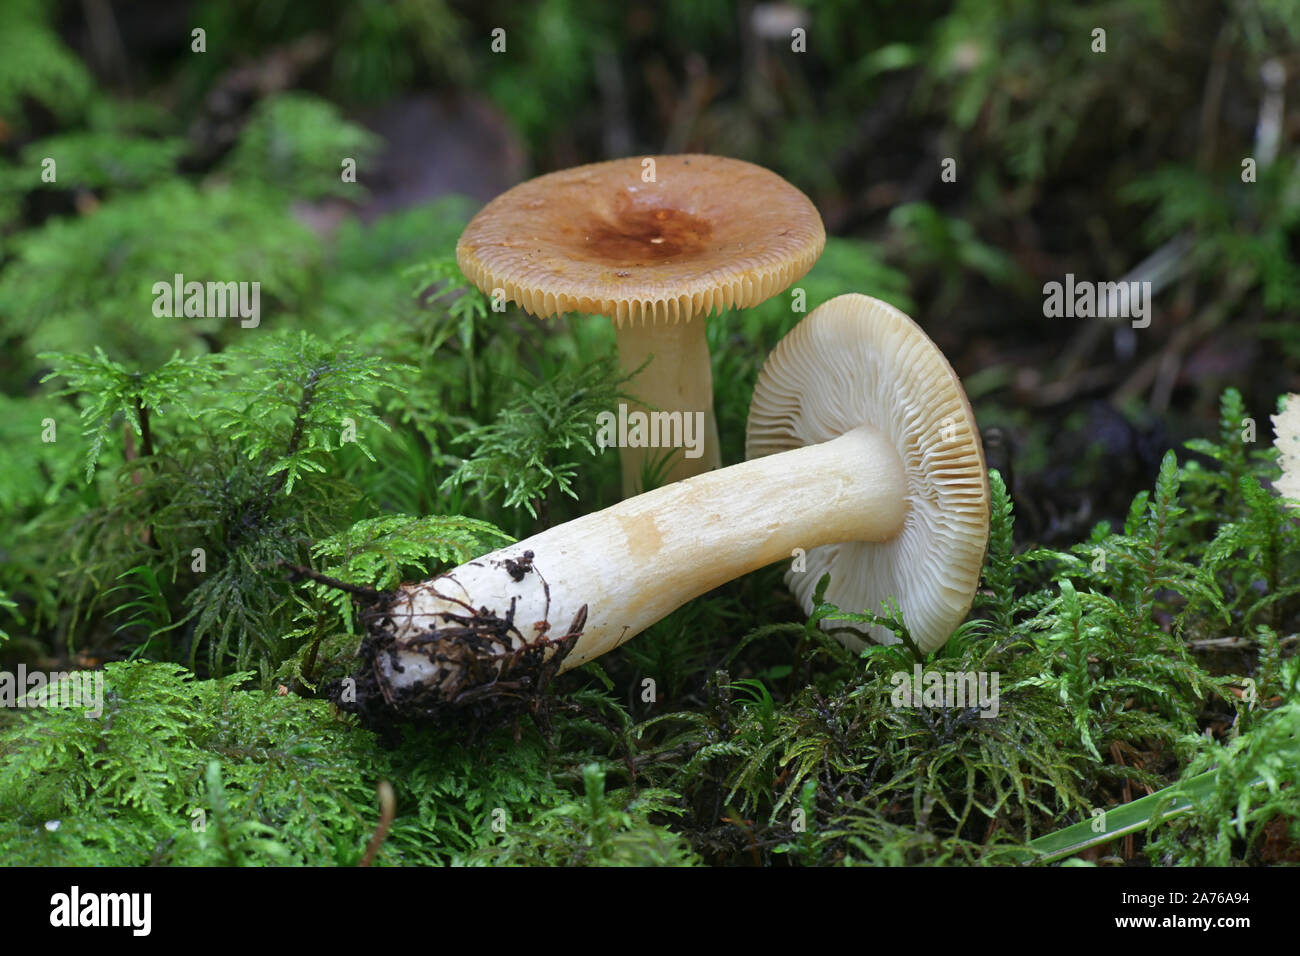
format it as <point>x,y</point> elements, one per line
<point>632,564</point>
<point>678,379</point>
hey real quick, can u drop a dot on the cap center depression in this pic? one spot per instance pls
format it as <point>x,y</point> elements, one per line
<point>631,233</point>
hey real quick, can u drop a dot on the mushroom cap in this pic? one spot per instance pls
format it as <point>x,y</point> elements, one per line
<point>708,234</point>
<point>856,360</point>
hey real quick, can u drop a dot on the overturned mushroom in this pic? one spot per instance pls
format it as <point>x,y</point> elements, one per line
<point>868,458</point>
<point>655,243</point>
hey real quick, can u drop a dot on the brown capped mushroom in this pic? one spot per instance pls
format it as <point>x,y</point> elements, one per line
<point>865,454</point>
<point>704,234</point>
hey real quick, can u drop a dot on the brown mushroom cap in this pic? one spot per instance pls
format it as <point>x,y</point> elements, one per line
<point>708,234</point>
<point>858,361</point>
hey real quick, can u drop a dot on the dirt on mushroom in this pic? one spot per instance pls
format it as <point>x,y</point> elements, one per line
<point>488,668</point>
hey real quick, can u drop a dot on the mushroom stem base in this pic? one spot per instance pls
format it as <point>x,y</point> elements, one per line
<point>476,665</point>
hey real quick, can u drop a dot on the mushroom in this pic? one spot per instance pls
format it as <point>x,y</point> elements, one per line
<point>864,452</point>
<point>703,234</point>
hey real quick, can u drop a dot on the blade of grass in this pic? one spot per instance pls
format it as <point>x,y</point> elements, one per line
<point>1123,820</point>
